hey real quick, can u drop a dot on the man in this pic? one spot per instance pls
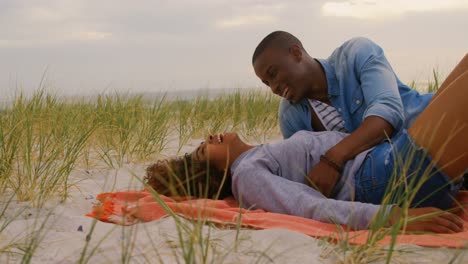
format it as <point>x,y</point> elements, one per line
<point>355,90</point>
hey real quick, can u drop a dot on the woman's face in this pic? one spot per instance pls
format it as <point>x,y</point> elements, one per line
<point>219,149</point>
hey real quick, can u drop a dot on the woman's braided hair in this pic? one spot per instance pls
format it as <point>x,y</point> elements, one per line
<point>184,176</point>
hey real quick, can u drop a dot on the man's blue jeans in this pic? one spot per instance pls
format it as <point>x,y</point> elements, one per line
<point>400,170</point>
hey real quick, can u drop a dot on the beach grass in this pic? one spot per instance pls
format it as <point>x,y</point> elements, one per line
<point>43,139</point>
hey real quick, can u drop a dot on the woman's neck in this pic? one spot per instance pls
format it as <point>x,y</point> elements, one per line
<point>235,153</point>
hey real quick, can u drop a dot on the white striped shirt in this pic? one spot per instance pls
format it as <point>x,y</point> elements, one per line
<point>328,115</point>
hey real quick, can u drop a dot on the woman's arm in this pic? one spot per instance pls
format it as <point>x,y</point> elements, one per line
<point>259,188</point>
<point>427,219</point>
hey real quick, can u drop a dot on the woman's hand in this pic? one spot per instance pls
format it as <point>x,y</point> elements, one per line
<point>428,219</point>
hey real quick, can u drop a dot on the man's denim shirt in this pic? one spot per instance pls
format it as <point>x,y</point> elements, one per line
<point>361,83</point>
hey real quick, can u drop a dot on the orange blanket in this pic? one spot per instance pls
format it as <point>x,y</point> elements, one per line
<point>130,207</point>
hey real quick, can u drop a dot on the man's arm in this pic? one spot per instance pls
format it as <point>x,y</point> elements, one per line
<point>383,115</point>
<point>372,131</point>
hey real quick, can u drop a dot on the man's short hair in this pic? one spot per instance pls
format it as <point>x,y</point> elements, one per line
<point>279,38</point>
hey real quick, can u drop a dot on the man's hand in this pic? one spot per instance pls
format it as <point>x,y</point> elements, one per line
<point>372,131</point>
<point>428,219</point>
<point>323,177</point>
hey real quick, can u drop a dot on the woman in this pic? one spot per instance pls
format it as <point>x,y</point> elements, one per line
<point>422,166</point>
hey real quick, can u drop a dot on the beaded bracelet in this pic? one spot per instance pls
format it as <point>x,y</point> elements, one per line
<point>331,163</point>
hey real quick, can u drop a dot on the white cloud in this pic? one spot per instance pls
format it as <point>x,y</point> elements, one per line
<point>382,9</point>
<point>153,44</point>
<point>57,38</point>
<point>46,22</point>
<point>239,21</point>
<point>248,14</point>
<point>90,35</point>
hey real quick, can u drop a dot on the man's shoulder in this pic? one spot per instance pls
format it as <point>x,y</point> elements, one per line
<point>358,42</point>
<point>356,45</point>
<point>355,51</point>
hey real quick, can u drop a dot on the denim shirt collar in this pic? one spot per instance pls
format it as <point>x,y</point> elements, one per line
<point>332,82</point>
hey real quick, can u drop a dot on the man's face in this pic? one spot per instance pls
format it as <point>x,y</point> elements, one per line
<point>282,71</point>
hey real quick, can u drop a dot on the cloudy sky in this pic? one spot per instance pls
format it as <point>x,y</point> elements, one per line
<point>90,46</point>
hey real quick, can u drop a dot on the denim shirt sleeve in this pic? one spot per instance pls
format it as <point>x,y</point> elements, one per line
<point>378,83</point>
<point>294,117</point>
